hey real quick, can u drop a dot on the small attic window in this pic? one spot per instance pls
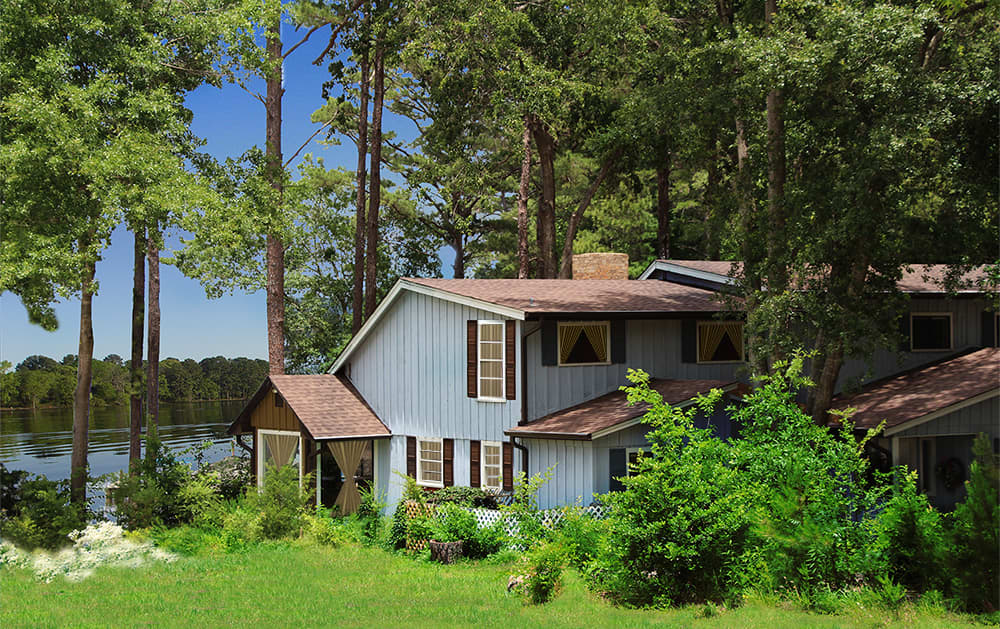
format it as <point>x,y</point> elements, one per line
<point>279,401</point>
<point>584,343</point>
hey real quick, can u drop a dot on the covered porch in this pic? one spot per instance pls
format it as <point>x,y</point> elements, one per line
<point>319,424</point>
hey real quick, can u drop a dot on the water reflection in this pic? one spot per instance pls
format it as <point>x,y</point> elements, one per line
<point>41,441</point>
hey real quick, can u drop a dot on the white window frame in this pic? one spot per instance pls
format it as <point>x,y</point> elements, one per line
<point>502,361</point>
<point>561,324</point>
<point>482,465</point>
<point>951,330</point>
<point>262,445</point>
<point>628,455</point>
<point>697,344</point>
<point>423,483</point>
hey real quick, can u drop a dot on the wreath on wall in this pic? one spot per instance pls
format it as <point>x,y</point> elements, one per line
<point>951,472</point>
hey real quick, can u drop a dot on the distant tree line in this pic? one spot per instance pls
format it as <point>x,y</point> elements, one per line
<point>42,381</point>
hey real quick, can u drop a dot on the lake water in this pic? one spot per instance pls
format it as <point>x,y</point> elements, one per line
<point>41,441</point>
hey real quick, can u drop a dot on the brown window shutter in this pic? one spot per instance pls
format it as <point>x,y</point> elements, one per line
<point>411,457</point>
<point>510,371</point>
<point>449,462</point>
<point>508,466</point>
<point>471,356</point>
<point>474,464</point>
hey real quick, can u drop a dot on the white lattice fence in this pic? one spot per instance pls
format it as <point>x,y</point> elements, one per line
<point>549,518</point>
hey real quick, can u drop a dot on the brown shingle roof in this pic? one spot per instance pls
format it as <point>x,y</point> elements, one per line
<point>584,420</point>
<point>923,391</point>
<point>578,296</point>
<point>919,278</point>
<point>327,405</point>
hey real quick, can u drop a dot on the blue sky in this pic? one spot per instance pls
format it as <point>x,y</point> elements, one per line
<point>231,121</point>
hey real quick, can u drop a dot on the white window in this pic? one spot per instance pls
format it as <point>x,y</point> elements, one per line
<point>491,361</point>
<point>632,457</point>
<point>720,342</point>
<point>278,448</point>
<point>930,331</point>
<point>584,343</point>
<point>430,462</point>
<point>491,465</point>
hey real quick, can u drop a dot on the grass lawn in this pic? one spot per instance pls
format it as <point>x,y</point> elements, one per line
<point>304,585</point>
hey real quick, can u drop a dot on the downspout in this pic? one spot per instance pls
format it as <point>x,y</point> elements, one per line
<point>524,455</point>
<point>245,447</point>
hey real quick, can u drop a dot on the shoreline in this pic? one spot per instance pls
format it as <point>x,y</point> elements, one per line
<point>70,406</point>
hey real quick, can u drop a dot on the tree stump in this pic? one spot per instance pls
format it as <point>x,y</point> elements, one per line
<point>445,552</point>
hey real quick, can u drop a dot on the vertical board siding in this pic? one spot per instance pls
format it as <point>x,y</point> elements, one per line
<point>653,345</point>
<point>412,372</point>
<point>267,415</point>
<point>971,420</point>
<point>571,463</point>
<point>966,322</point>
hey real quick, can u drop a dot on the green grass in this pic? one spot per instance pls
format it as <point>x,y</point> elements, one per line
<point>305,585</point>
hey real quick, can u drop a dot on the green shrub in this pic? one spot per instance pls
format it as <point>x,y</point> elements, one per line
<point>37,512</point>
<point>453,523</point>
<point>370,515</point>
<point>420,528</point>
<point>241,530</point>
<point>150,494</point>
<point>185,540</point>
<point>976,533</point>
<point>486,541</point>
<point>281,502</point>
<point>324,530</point>
<point>523,509</point>
<point>230,476</point>
<point>804,487</point>
<point>545,565</point>
<point>396,540</point>
<point>676,532</point>
<point>200,502</point>
<point>463,496</point>
<point>580,535</point>
<point>910,539</point>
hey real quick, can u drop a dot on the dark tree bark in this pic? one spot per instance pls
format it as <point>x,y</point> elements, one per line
<point>375,181</point>
<point>81,396</point>
<point>360,224</point>
<point>135,366</point>
<point>545,144</point>
<point>275,172</point>
<point>664,209</point>
<point>777,279</point>
<point>566,265</point>
<point>522,205</point>
<point>834,360</point>
<point>153,357</point>
<point>458,244</point>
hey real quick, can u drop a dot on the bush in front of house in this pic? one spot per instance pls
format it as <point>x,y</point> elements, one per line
<point>678,530</point>
<point>544,577</point>
<point>150,495</point>
<point>36,512</point>
<point>976,534</point>
<point>473,497</point>
<point>230,476</point>
<point>580,535</point>
<point>910,540</point>
<point>281,501</point>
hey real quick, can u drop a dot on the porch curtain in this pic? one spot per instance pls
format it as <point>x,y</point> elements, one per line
<point>735,331</point>
<point>568,335</point>
<point>709,337</point>
<point>348,456</point>
<point>598,337</point>
<point>282,448</point>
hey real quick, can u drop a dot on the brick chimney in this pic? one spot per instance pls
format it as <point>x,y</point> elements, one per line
<point>600,266</point>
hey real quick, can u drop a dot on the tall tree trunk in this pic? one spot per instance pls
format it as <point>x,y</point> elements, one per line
<point>458,244</point>
<point>566,264</point>
<point>81,395</point>
<point>375,182</point>
<point>777,279</point>
<point>547,201</point>
<point>135,366</point>
<point>827,382</point>
<point>275,174</point>
<point>360,224</point>
<point>522,204</point>
<point>153,357</point>
<point>664,209</point>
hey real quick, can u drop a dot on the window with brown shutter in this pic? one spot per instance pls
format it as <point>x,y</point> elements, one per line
<point>449,462</point>
<point>474,464</point>
<point>508,466</point>
<point>411,457</point>
<point>510,373</point>
<point>471,356</point>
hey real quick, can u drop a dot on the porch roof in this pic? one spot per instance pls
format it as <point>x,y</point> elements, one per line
<point>926,392</point>
<point>611,412</point>
<point>328,406</point>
